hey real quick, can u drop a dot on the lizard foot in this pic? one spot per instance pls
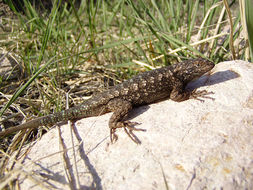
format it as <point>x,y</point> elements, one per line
<point>200,94</point>
<point>128,128</point>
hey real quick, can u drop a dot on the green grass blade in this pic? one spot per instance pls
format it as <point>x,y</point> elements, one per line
<point>249,23</point>
<point>50,25</point>
<point>191,20</point>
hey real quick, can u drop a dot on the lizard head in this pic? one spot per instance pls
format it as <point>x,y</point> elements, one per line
<point>189,70</point>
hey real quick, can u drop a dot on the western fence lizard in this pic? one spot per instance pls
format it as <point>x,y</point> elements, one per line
<point>145,88</point>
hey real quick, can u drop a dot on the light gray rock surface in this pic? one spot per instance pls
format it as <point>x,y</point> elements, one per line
<point>187,145</point>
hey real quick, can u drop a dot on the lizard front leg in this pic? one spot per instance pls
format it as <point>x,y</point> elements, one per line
<point>120,109</point>
<point>179,93</point>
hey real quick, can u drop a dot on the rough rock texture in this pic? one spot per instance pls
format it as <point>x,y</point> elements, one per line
<point>187,145</point>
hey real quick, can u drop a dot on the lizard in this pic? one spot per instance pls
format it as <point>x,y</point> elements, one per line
<point>145,88</point>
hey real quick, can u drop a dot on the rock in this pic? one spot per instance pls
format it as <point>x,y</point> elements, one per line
<point>187,145</point>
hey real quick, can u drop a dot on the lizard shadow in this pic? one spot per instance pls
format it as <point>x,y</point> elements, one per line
<point>215,78</point>
<point>136,111</point>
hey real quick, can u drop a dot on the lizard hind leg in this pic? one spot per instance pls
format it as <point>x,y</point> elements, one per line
<point>120,109</point>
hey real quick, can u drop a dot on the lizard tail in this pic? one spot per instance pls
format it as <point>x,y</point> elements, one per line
<point>28,125</point>
<point>49,120</point>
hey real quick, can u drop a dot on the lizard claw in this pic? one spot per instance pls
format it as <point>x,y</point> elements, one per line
<point>200,94</point>
<point>128,128</point>
<point>113,135</point>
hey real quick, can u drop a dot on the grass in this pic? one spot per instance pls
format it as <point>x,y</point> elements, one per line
<point>248,26</point>
<point>83,51</point>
